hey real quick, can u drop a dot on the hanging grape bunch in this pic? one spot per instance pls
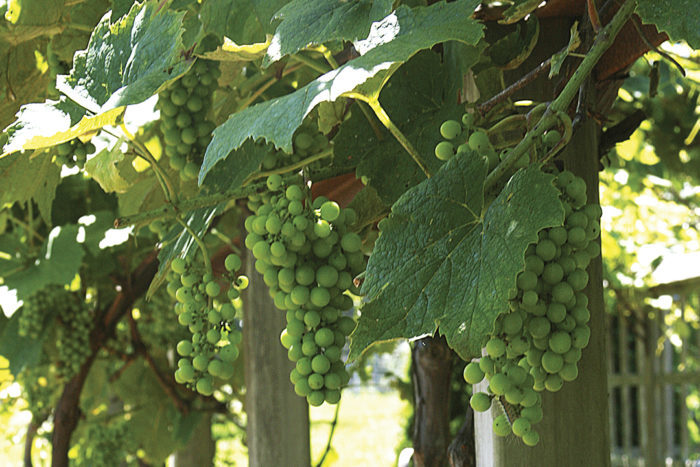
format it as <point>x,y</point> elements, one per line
<point>73,153</point>
<point>215,337</point>
<point>37,307</point>
<point>75,317</point>
<point>537,344</point>
<point>308,258</point>
<point>184,109</point>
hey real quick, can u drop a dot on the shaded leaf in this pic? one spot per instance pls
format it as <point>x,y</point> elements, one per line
<point>229,173</point>
<point>323,21</point>
<point>444,261</point>
<point>243,21</point>
<point>519,10</point>
<point>559,57</point>
<point>391,42</point>
<point>24,178</point>
<point>415,99</point>
<point>19,351</point>
<point>678,18</point>
<point>58,264</point>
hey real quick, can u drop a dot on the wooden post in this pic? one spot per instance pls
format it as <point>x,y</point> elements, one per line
<point>200,448</point>
<point>278,419</point>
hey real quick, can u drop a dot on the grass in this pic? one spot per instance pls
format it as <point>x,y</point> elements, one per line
<point>370,428</point>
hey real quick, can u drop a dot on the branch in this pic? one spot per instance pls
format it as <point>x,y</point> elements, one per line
<point>168,385</point>
<point>67,413</point>
<point>29,441</point>
<point>603,41</point>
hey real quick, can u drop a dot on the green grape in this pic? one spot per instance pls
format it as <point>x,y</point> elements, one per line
<point>473,373</point>
<point>501,426</point>
<point>479,142</point>
<point>495,347</point>
<point>450,129</point>
<point>552,362</point>
<point>521,426</point>
<point>444,150</point>
<point>480,402</point>
<point>531,438</point>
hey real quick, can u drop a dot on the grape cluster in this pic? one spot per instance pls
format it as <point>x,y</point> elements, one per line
<point>213,347</point>
<point>461,137</point>
<point>105,445</point>
<point>308,258</point>
<point>39,389</point>
<point>308,140</point>
<point>536,345</point>
<point>73,153</point>
<point>73,336</point>
<point>183,109</point>
<point>37,308</point>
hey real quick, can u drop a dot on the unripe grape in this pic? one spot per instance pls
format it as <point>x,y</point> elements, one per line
<point>480,402</point>
<point>521,426</point>
<point>450,129</point>
<point>501,426</point>
<point>473,373</point>
<point>444,150</point>
<point>531,438</point>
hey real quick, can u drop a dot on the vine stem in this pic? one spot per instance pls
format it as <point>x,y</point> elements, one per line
<point>289,168</point>
<point>199,241</point>
<point>334,423</point>
<point>603,41</point>
<point>170,210</point>
<point>27,227</point>
<point>163,179</point>
<point>383,117</point>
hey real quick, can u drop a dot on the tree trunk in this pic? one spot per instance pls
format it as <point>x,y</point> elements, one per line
<point>575,428</point>
<point>278,419</point>
<point>432,370</point>
<point>200,448</point>
<point>462,451</point>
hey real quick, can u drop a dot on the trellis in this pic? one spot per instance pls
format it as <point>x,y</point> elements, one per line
<point>649,382</point>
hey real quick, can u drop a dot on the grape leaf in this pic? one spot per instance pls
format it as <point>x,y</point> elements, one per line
<point>678,18</point>
<point>229,51</point>
<point>19,351</point>
<point>243,21</point>
<point>392,41</point>
<point>58,264</point>
<point>519,10</point>
<point>128,61</point>
<point>112,169</point>
<point>24,178</point>
<point>443,260</point>
<point>324,21</point>
<point>229,173</point>
<point>415,100</point>
<point>53,122</point>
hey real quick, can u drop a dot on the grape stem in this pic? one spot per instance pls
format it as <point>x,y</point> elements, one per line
<point>603,41</point>
<point>393,129</point>
<point>311,63</point>
<point>198,240</point>
<point>265,86</point>
<point>289,168</point>
<point>334,423</point>
<point>161,176</point>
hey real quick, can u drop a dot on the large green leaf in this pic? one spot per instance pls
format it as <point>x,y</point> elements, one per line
<point>243,21</point>
<point>444,261</point>
<point>417,102</point>
<point>323,21</point>
<point>128,61</point>
<point>34,12</point>
<point>20,351</point>
<point>24,178</point>
<point>390,43</point>
<point>229,173</point>
<point>679,18</point>
<point>58,264</point>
